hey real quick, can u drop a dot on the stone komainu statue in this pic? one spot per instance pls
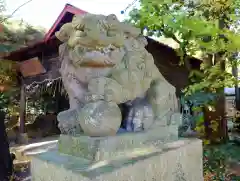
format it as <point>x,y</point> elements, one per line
<point>104,63</point>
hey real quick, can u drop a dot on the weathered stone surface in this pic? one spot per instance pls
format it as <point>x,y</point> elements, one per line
<point>103,59</point>
<point>177,161</point>
<point>104,148</point>
<point>100,118</point>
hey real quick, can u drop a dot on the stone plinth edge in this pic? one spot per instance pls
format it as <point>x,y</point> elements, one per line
<point>103,148</point>
<point>179,160</point>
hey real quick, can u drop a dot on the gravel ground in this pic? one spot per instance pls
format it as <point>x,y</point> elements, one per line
<point>22,171</point>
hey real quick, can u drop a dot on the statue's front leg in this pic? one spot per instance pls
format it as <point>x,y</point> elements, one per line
<point>67,120</point>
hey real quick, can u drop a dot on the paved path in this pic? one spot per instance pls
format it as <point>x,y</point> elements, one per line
<point>25,152</point>
<point>24,173</point>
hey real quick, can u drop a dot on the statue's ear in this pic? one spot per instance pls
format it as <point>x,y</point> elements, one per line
<point>112,17</point>
<point>142,40</point>
<point>64,33</point>
<point>61,36</point>
<point>74,17</point>
<point>57,34</point>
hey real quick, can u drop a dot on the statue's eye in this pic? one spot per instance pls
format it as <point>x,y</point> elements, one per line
<point>74,17</point>
<point>113,17</point>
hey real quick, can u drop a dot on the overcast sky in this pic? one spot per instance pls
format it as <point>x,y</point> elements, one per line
<point>45,12</point>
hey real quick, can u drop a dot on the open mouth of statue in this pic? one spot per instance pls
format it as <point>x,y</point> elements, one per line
<point>93,64</point>
<point>98,58</point>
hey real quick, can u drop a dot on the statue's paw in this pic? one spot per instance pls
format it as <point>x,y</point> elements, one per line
<point>63,127</point>
<point>115,95</point>
<point>109,95</point>
<point>67,122</point>
<point>89,97</point>
<point>69,129</point>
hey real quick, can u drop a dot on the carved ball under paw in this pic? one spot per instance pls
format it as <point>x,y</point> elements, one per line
<point>100,118</point>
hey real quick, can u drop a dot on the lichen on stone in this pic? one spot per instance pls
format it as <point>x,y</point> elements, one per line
<point>105,60</point>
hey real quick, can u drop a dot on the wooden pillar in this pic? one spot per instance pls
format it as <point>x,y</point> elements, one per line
<point>22,109</point>
<point>237,90</point>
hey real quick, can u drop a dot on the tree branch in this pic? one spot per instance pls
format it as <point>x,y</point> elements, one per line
<point>185,57</point>
<point>19,7</point>
<point>175,39</point>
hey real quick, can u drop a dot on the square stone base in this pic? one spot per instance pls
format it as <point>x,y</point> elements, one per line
<point>105,148</point>
<point>176,161</point>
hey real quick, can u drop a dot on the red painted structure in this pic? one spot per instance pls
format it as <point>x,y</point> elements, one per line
<point>60,20</point>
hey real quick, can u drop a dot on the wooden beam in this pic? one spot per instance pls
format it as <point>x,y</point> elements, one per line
<point>22,109</point>
<point>31,67</point>
<point>51,75</point>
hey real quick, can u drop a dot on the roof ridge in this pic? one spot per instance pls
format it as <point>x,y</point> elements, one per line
<point>67,8</point>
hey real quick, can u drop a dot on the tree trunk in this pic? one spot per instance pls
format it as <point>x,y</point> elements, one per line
<point>22,109</point>
<point>221,134</point>
<point>223,130</point>
<point>219,114</point>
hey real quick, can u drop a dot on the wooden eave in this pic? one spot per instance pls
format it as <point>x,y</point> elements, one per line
<point>67,9</point>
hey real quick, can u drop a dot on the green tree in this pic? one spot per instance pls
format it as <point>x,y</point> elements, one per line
<point>206,26</point>
<point>14,34</point>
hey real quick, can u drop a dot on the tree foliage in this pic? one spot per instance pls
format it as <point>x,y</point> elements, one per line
<point>8,73</point>
<point>208,26</point>
<point>14,34</point>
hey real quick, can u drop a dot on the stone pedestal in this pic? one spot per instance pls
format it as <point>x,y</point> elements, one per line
<point>153,155</point>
